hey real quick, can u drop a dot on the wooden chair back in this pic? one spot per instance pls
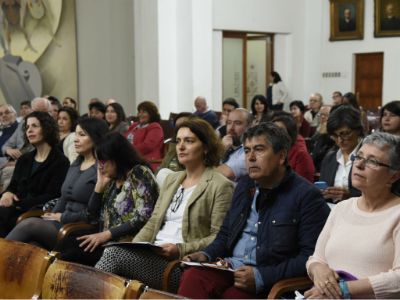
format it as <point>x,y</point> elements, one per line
<point>150,293</point>
<point>66,280</point>
<point>22,269</point>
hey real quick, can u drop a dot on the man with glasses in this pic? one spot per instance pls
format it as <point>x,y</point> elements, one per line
<point>8,120</point>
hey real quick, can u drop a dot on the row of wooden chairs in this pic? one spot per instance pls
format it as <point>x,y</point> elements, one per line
<point>30,272</point>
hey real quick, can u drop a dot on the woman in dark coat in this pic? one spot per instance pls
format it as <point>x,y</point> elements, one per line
<point>38,174</point>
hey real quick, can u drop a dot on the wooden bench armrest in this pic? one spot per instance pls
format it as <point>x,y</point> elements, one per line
<point>288,285</point>
<point>67,229</point>
<point>30,214</point>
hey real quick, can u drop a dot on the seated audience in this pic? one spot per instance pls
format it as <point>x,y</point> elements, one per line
<point>204,112</point>
<point>188,214</point>
<point>228,105</point>
<point>270,229</point>
<point>17,144</point>
<point>233,162</point>
<point>75,192</point>
<point>297,109</point>
<point>123,199</point>
<point>170,160</point>
<point>97,110</point>
<point>8,120</point>
<point>70,102</point>
<point>24,110</point>
<point>390,117</point>
<point>115,117</point>
<point>298,157</point>
<point>146,135</point>
<point>321,142</point>
<point>55,106</point>
<point>345,127</point>
<point>311,116</point>
<point>362,234</point>
<point>67,120</point>
<point>38,174</point>
<point>337,98</point>
<point>351,99</point>
<point>260,110</point>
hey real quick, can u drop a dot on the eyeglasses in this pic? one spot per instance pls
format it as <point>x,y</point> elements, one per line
<point>371,163</point>
<point>177,200</point>
<point>344,135</point>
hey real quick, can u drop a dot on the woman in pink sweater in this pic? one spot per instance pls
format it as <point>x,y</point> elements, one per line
<point>147,135</point>
<point>362,234</point>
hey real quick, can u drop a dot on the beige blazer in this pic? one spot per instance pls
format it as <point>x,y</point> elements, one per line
<point>203,214</point>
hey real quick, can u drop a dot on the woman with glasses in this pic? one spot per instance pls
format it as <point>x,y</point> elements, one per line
<point>122,201</point>
<point>188,214</point>
<point>345,128</point>
<point>358,252</point>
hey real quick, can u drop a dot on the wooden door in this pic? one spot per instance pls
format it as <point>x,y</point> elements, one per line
<point>369,79</point>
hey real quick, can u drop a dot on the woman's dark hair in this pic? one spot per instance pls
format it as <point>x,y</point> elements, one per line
<point>151,109</point>
<point>206,134</point>
<point>95,128</point>
<point>115,148</point>
<point>276,77</point>
<point>290,124</point>
<point>393,107</point>
<point>344,115</point>
<point>48,125</point>
<point>73,116</point>
<point>182,115</point>
<point>351,98</point>
<point>299,104</point>
<point>119,110</point>
<point>263,100</point>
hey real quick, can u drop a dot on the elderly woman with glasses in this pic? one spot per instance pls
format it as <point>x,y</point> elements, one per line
<point>345,128</point>
<point>361,238</point>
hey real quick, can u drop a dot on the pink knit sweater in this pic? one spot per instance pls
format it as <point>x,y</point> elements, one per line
<point>364,244</point>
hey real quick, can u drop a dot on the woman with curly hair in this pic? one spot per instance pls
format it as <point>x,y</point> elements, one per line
<point>188,214</point>
<point>38,174</point>
<point>146,135</point>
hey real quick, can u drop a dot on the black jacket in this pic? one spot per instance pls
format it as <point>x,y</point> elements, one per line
<point>43,184</point>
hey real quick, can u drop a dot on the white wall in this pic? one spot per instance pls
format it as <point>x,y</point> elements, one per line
<point>105,51</point>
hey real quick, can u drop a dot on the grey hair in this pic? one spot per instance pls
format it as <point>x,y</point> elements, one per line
<point>10,107</point>
<point>390,142</point>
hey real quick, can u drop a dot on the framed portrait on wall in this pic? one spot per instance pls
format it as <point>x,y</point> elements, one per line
<point>346,20</point>
<point>387,18</point>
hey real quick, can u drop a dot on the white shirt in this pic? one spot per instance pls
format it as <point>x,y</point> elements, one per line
<point>171,232</point>
<point>343,170</point>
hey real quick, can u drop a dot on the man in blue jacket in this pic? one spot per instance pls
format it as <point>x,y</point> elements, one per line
<point>270,230</point>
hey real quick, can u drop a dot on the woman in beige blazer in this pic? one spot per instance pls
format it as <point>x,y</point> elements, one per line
<point>188,213</point>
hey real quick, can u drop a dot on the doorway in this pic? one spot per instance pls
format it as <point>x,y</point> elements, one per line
<point>247,60</point>
<point>369,79</point>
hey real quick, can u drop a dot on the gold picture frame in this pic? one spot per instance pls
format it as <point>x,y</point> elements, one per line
<point>387,18</point>
<point>346,20</point>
